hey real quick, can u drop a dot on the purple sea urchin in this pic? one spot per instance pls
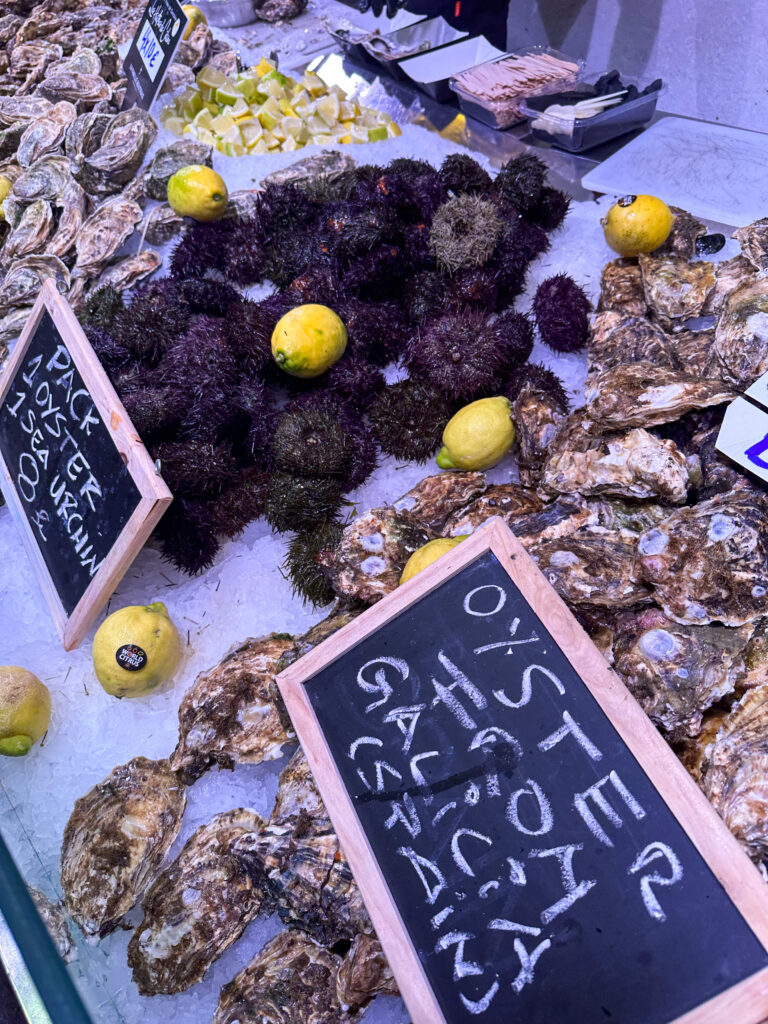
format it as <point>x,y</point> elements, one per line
<point>101,308</point>
<point>311,442</point>
<point>464,232</point>
<point>155,412</point>
<point>425,295</point>
<point>541,378</point>
<point>521,181</point>
<point>301,502</point>
<point>355,381</point>
<point>187,536</point>
<point>562,313</point>
<point>460,173</point>
<point>551,209</point>
<point>203,248</point>
<point>239,504</point>
<point>473,288</point>
<point>376,331</point>
<point>301,567</point>
<point>460,354</point>
<point>205,295</point>
<point>156,317</point>
<point>517,331</point>
<point>408,419</point>
<point>195,469</point>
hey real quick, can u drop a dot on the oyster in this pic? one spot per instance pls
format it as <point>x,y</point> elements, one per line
<point>677,672</point>
<point>317,634</point>
<point>325,165</point>
<point>76,87</point>
<point>510,502</point>
<point>364,973</point>
<point>641,395</point>
<point>127,272</point>
<point>291,981</point>
<point>171,159</point>
<point>118,158</point>
<point>560,518</point>
<point>55,920</point>
<point>734,772</point>
<point>47,178</point>
<point>177,77</point>
<point>695,351</point>
<point>435,498</point>
<point>103,233</point>
<point>10,139</point>
<point>30,234</point>
<point>233,713</point>
<point>161,224</point>
<point>372,553</point>
<point>33,56</point>
<point>719,475</point>
<point>11,326</point>
<point>243,203</point>
<point>75,210</point>
<point>729,274</point>
<point>709,562</point>
<point>45,134</point>
<point>616,339</point>
<point>25,278</point>
<point>116,839</point>
<point>195,909</point>
<point>693,749</point>
<point>621,288</point>
<point>593,566</point>
<point>537,416</point>
<point>741,335</point>
<point>633,465</point>
<point>83,61</point>
<point>674,288</point>
<point>297,861</point>
<point>84,135</point>
<point>686,230</point>
<point>753,240</point>
<point>194,50</point>
<point>754,671</point>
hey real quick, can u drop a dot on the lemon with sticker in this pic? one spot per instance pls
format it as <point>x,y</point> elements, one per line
<point>637,224</point>
<point>308,340</point>
<point>427,554</point>
<point>136,649</point>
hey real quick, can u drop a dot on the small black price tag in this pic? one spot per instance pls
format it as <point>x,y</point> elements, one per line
<point>152,50</point>
<point>131,657</point>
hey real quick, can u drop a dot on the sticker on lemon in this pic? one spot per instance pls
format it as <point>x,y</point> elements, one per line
<point>427,554</point>
<point>478,436</point>
<point>25,710</point>
<point>199,192</point>
<point>5,187</point>
<point>135,650</point>
<point>196,17</point>
<point>637,224</point>
<point>308,340</point>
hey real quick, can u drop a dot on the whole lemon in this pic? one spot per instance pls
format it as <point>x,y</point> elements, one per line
<point>136,649</point>
<point>5,187</point>
<point>478,436</point>
<point>427,554</point>
<point>196,17</point>
<point>308,340</point>
<point>198,192</point>
<point>25,710</point>
<point>637,224</point>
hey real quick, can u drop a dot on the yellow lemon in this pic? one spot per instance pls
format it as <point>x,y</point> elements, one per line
<point>198,192</point>
<point>308,340</point>
<point>5,187</point>
<point>478,436</point>
<point>637,224</point>
<point>135,650</point>
<point>427,554</point>
<point>196,17</point>
<point>25,710</point>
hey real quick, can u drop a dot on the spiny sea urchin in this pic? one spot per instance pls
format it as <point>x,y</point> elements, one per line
<point>376,331</point>
<point>562,313</point>
<point>355,381</point>
<point>551,209</point>
<point>100,308</point>
<point>187,536</point>
<point>155,319</point>
<point>301,567</point>
<point>521,181</point>
<point>204,247</point>
<point>460,354</point>
<point>539,377</point>
<point>459,172</point>
<point>204,295</point>
<point>191,468</point>
<point>517,331</point>
<point>474,288</point>
<point>408,419</point>
<point>155,411</point>
<point>425,295</point>
<point>239,504</point>
<point>301,502</point>
<point>311,442</point>
<point>464,232</point>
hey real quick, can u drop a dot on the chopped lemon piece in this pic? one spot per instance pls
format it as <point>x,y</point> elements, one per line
<point>292,126</point>
<point>314,84</point>
<point>251,131</point>
<point>211,77</point>
<point>227,94</point>
<point>359,133</point>
<point>346,110</point>
<point>259,147</point>
<point>328,109</point>
<point>240,107</point>
<point>222,123</point>
<point>377,134</point>
<point>394,129</point>
<point>290,144</point>
<point>204,119</point>
<point>248,88</point>
<point>176,125</point>
<point>264,67</point>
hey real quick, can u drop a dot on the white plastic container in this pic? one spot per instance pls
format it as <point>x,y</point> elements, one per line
<point>432,71</point>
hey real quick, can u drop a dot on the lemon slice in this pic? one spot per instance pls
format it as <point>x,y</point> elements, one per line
<point>292,126</point>
<point>175,125</point>
<point>328,109</point>
<point>211,77</point>
<point>359,133</point>
<point>251,132</point>
<point>222,123</point>
<point>227,94</point>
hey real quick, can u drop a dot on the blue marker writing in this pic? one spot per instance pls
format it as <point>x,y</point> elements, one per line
<point>754,452</point>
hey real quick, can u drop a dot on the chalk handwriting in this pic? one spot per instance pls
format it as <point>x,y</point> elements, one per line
<point>595,793</point>
<point>653,852</point>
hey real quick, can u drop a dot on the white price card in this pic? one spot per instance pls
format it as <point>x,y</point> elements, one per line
<point>743,436</point>
<point>151,51</point>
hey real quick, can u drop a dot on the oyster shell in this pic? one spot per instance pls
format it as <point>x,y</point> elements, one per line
<point>709,562</point>
<point>178,76</point>
<point>84,61</point>
<point>325,628</point>
<point>641,395</point>
<point>686,230</point>
<point>291,981</point>
<point>25,278</point>
<point>560,518</point>
<point>161,224</point>
<point>436,498</point>
<point>73,215</point>
<point>127,272</point>
<point>45,134</point>
<point>677,672</point>
<point>55,920</point>
<point>719,475</point>
<point>509,501</point>
<point>30,234</point>
<point>103,233</point>
<point>195,909</point>
<point>364,973</point>
<point>171,159</point>
<point>729,274</point>
<point>372,553</point>
<point>11,326</point>
<point>593,566</point>
<point>233,713</point>
<point>753,240</point>
<point>537,416</point>
<point>674,288</point>
<point>754,671</point>
<point>325,165</point>
<point>633,465</point>
<point>695,351</point>
<point>734,772</point>
<point>194,50</point>
<point>693,749</point>
<point>83,89</point>
<point>243,203</point>
<point>10,139</point>
<point>116,839</point>
<point>123,146</point>
<point>47,178</point>
<point>84,135</point>
<point>621,289</point>
<point>741,335</point>
<point>616,340</point>
<point>33,56</point>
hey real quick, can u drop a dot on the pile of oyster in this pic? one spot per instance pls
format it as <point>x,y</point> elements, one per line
<point>75,159</point>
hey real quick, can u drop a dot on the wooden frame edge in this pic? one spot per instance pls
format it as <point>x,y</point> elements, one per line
<point>743,1003</point>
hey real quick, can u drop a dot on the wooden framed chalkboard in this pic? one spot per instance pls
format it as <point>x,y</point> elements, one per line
<point>77,478</point>
<point>529,848</point>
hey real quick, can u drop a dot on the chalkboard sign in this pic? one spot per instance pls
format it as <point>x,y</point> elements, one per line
<point>528,847</point>
<point>74,471</point>
<point>153,48</point>
<point>743,435</point>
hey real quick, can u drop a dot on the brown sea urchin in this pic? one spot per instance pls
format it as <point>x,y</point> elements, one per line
<point>464,232</point>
